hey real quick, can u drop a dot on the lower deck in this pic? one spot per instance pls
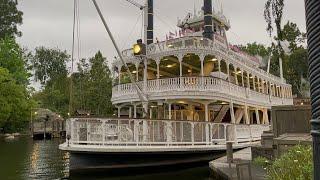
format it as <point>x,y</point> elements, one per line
<point>141,135</point>
<point>115,144</point>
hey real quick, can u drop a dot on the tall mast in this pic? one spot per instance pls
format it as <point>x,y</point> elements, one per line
<point>142,96</point>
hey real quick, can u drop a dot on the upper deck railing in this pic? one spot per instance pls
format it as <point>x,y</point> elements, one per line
<point>141,132</point>
<point>198,44</point>
<point>200,86</point>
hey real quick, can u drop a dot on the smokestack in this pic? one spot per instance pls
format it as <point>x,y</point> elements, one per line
<point>150,22</point>
<point>207,8</point>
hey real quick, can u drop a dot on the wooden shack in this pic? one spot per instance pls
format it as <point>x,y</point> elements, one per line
<point>47,124</point>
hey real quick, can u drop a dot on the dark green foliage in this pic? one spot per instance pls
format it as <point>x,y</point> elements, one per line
<point>50,67</point>
<point>10,17</point>
<point>293,35</point>
<point>12,58</point>
<point>15,103</point>
<point>50,64</point>
<point>93,86</point>
<point>256,49</point>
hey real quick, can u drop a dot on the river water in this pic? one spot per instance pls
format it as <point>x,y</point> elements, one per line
<point>24,158</point>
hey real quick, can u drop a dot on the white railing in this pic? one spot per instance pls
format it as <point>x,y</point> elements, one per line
<point>139,132</point>
<point>198,43</point>
<point>200,84</point>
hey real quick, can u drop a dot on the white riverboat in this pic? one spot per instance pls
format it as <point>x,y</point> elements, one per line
<point>200,92</point>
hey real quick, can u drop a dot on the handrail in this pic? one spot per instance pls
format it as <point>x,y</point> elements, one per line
<point>204,44</point>
<point>194,83</point>
<point>142,132</point>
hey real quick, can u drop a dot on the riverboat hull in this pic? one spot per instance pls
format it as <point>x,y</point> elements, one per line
<point>119,162</point>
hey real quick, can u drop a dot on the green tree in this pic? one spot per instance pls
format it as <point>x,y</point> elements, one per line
<point>274,11</point>
<point>255,49</point>
<point>55,96</point>
<point>15,103</point>
<point>50,68</point>
<point>93,86</point>
<point>50,64</point>
<point>296,68</point>
<point>10,17</point>
<point>12,58</point>
<point>293,35</point>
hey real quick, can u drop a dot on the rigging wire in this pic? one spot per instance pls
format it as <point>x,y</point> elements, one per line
<point>131,32</point>
<point>158,16</point>
<point>78,26</point>
<point>72,56</point>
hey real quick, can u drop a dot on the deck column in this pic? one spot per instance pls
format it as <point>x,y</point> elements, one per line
<point>254,82</point>
<point>135,111</point>
<point>219,64</point>
<point>151,114</point>
<point>248,80</point>
<point>145,74</point>
<point>236,75</point>
<point>242,78</point>
<point>228,71</point>
<point>180,59</point>
<point>158,68</point>
<point>265,119</point>
<point>202,61</point>
<point>233,119</point>
<point>169,109</point>
<point>257,116</point>
<point>130,112</point>
<point>206,111</point>
<point>119,112</point>
<point>246,114</point>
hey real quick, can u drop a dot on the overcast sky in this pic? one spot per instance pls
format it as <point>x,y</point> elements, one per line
<point>49,22</point>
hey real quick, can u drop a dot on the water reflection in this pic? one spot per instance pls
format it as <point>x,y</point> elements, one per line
<point>24,158</point>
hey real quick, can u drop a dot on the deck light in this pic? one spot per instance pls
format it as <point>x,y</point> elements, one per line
<point>139,48</point>
<point>134,72</point>
<point>170,45</point>
<point>35,113</point>
<point>189,71</point>
<point>214,59</point>
<point>170,65</point>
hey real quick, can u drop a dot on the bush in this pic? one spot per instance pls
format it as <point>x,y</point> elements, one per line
<point>296,164</point>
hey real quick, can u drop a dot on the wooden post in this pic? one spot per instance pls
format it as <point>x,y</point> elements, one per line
<point>229,152</point>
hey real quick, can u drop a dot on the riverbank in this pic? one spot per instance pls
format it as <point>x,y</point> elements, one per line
<point>241,166</point>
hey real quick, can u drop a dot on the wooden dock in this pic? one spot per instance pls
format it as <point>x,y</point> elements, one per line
<point>242,167</point>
